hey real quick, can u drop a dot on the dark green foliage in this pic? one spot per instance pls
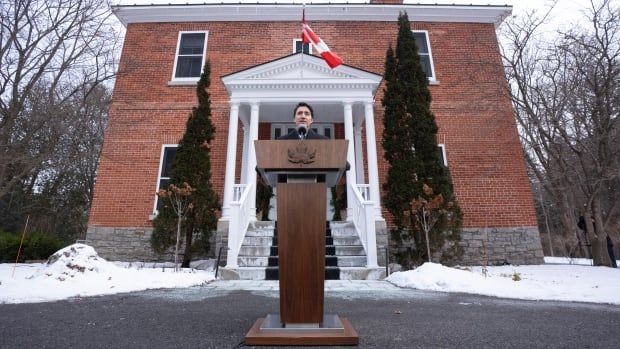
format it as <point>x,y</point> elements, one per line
<point>410,144</point>
<point>36,246</point>
<point>192,165</point>
<point>339,200</point>
<point>264,193</point>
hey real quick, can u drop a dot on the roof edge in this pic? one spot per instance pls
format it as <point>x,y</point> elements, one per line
<point>128,14</point>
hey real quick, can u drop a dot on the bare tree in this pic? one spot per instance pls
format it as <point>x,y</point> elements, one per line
<point>565,91</point>
<point>51,52</point>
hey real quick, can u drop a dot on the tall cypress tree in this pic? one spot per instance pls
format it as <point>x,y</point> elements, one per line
<point>410,144</point>
<point>192,165</point>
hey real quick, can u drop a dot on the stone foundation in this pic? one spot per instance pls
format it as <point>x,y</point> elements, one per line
<point>122,244</point>
<point>496,246</point>
<point>133,244</point>
<point>221,241</point>
<point>381,232</point>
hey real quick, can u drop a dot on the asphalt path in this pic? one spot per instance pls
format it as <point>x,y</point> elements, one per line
<point>203,317</point>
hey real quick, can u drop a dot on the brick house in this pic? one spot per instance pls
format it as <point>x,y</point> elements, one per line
<point>259,73</point>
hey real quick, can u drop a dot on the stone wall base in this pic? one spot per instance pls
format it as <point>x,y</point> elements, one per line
<point>123,244</point>
<point>491,246</point>
<point>496,246</point>
<point>132,244</point>
<point>221,241</point>
<point>381,232</point>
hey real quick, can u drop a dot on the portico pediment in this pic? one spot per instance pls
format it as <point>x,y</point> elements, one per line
<point>300,72</point>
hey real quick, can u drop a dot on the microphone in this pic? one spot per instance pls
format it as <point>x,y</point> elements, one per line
<point>302,129</point>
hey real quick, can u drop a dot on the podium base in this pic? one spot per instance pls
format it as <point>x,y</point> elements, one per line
<point>334,330</point>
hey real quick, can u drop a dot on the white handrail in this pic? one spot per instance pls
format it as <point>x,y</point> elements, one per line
<point>238,190</point>
<point>239,220</point>
<point>364,221</point>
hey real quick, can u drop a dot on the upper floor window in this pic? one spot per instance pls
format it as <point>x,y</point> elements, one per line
<point>168,153</point>
<point>424,50</point>
<point>190,55</point>
<point>442,154</point>
<point>298,44</point>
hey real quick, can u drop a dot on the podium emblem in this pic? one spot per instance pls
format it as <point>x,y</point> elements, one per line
<point>301,154</point>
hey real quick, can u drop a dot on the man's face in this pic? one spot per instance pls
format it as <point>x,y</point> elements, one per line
<point>303,116</point>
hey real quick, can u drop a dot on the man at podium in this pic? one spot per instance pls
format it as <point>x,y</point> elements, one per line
<point>303,116</point>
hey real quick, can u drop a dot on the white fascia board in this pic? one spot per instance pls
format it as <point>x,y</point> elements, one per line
<point>315,12</point>
<point>314,94</point>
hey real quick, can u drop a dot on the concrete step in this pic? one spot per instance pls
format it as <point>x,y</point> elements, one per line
<point>265,251</point>
<point>346,240</point>
<point>343,229</point>
<point>351,261</point>
<point>253,261</point>
<point>257,240</point>
<point>350,250</point>
<point>255,251</point>
<point>330,261</point>
<point>346,273</point>
<point>362,273</point>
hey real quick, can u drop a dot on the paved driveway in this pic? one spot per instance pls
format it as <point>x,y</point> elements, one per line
<point>219,314</point>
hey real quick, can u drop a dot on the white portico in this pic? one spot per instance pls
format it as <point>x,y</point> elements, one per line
<point>267,94</point>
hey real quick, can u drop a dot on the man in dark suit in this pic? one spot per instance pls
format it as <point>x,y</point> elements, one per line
<point>303,116</point>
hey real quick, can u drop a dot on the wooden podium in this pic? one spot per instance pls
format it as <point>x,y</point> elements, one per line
<point>301,171</point>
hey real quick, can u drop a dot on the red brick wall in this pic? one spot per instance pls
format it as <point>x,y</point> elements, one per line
<point>472,110</point>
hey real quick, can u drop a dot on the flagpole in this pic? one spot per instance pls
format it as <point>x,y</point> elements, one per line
<point>303,21</point>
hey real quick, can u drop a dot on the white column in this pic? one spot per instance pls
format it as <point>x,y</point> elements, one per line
<point>231,158</point>
<point>359,153</point>
<point>351,177</point>
<point>251,172</point>
<point>371,150</point>
<point>244,157</point>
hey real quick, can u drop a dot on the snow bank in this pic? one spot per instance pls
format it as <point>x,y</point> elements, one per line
<point>77,271</point>
<point>535,282</point>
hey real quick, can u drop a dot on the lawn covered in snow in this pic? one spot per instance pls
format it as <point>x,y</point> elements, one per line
<point>577,282</point>
<point>77,271</point>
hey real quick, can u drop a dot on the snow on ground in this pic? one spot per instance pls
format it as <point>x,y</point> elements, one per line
<point>563,282</point>
<point>77,271</point>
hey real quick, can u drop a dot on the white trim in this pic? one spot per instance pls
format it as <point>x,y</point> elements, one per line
<point>494,14</point>
<point>178,81</point>
<point>282,79</point>
<point>295,41</point>
<point>161,164</point>
<point>443,153</point>
<point>433,77</point>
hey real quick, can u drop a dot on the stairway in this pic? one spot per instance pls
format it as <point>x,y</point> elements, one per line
<point>345,258</point>
<point>332,272</point>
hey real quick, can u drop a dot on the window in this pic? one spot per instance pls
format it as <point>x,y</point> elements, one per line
<point>424,50</point>
<point>442,154</point>
<point>278,130</point>
<point>298,43</point>
<point>168,153</point>
<point>190,55</point>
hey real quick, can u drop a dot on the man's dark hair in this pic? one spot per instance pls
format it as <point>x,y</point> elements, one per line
<point>303,104</point>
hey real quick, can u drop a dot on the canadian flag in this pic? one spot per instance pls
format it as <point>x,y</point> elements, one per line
<point>308,36</point>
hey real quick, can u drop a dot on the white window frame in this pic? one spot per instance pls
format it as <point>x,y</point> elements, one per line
<point>442,147</point>
<point>159,177</point>
<point>295,41</point>
<point>176,55</point>
<point>284,127</point>
<point>432,77</point>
